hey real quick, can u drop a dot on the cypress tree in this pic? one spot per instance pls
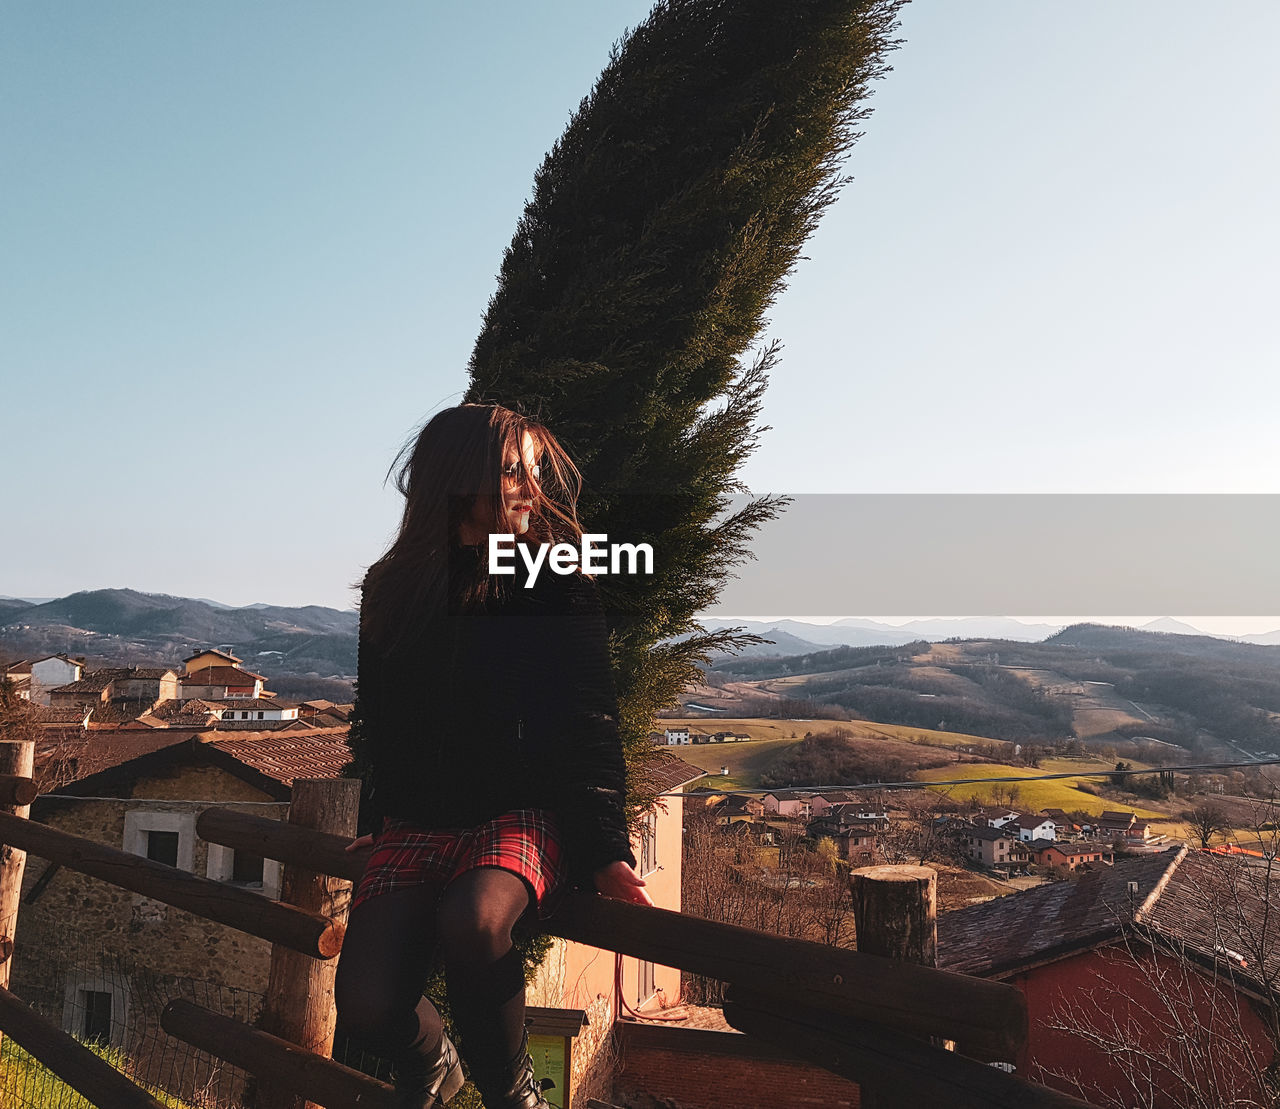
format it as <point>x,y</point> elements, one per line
<point>662,226</point>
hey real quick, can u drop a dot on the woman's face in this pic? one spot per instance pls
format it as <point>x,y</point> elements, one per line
<point>519,491</point>
<point>519,485</point>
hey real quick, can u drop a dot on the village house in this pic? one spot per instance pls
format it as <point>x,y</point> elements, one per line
<point>1070,856</point>
<point>985,844</point>
<point>1064,824</point>
<point>1162,957</point>
<point>130,684</point>
<point>856,833</point>
<point>1031,826</point>
<point>37,677</point>
<point>789,803</point>
<point>995,818</point>
<point>738,808</point>
<point>213,691</point>
<point>677,737</point>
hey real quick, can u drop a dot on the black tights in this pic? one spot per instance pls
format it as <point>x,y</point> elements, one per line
<point>387,956</point>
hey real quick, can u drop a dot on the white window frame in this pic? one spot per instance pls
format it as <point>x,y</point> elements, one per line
<point>138,822</point>
<point>79,982</point>
<point>221,867</point>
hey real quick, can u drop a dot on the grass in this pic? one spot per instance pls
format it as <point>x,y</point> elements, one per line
<point>1058,793</point>
<point>25,1081</point>
<point>929,737</point>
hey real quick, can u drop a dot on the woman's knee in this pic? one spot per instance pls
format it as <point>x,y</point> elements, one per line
<point>477,914</point>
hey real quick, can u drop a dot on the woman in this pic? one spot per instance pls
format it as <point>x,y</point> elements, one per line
<point>489,725</point>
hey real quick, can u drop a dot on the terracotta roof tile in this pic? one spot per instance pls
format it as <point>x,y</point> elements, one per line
<point>222,675</point>
<point>667,771</point>
<point>318,753</point>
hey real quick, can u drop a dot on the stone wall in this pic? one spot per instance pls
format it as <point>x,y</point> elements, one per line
<point>72,919</point>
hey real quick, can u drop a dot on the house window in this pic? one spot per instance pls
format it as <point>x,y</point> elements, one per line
<point>167,837</point>
<point>94,1008</point>
<point>246,869</point>
<point>244,716</point>
<point>241,868</point>
<point>262,716</point>
<point>162,847</point>
<point>645,985</point>
<point>96,1026</point>
<point>649,843</point>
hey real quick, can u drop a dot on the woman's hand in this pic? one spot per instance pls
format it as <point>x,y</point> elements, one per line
<point>620,880</point>
<point>360,843</point>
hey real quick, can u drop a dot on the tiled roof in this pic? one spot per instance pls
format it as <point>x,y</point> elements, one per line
<point>318,753</point>
<point>222,675</point>
<point>42,714</point>
<point>93,682</point>
<point>979,831</point>
<point>1040,924</point>
<point>118,712</point>
<point>1070,849</point>
<point>667,771</point>
<point>172,709</point>
<point>1218,905</point>
<point>77,754</point>
<point>211,651</point>
<point>20,667</point>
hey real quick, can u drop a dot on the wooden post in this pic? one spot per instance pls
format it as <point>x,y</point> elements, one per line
<point>16,763</point>
<point>895,911</point>
<point>895,914</point>
<point>299,1001</point>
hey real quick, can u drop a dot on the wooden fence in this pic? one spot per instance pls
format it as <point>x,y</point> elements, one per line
<point>883,1022</point>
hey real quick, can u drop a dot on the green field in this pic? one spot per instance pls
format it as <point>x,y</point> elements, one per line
<point>907,734</point>
<point>1058,793</point>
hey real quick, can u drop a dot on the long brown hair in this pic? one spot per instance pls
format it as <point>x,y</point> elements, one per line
<point>455,463</point>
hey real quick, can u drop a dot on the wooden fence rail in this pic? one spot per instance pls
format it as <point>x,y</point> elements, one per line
<point>69,1059</point>
<point>16,789</point>
<point>309,1075</point>
<point>311,933</point>
<point>987,1019</point>
<point>860,1015</point>
<point>917,1072</point>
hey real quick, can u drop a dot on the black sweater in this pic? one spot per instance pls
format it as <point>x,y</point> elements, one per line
<point>502,705</point>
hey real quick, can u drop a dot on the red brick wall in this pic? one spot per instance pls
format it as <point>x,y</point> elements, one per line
<point>690,1068</point>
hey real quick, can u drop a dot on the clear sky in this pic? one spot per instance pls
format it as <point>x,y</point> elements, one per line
<point>245,248</point>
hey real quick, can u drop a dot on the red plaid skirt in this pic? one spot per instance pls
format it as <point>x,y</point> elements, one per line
<point>526,842</point>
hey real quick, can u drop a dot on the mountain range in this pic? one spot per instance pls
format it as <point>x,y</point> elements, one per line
<point>125,625</point>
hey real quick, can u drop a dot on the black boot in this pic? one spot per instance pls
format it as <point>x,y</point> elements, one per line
<point>514,1087</point>
<point>426,1083</point>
